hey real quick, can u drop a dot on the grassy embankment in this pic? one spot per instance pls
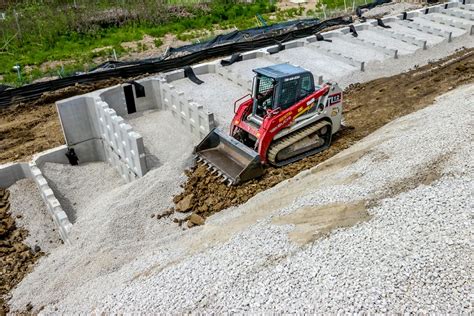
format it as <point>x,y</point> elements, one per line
<point>78,36</point>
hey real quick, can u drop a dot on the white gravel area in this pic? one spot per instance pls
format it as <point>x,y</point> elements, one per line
<point>76,187</point>
<point>402,28</point>
<point>245,68</point>
<point>358,51</point>
<point>411,256</point>
<point>164,139</point>
<point>425,22</point>
<point>318,63</point>
<point>30,213</point>
<point>390,9</point>
<point>215,94</point>
<point>382,38</point>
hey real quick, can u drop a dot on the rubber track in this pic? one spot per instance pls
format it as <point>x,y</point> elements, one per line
<point>293,138</point>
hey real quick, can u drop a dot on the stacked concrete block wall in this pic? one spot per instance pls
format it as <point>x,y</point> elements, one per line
<point>123,147</point>
<point>12,172</point>
<point>152,98</point>
<point>193,116</point>
<point>59,216</point>
<point>97,133</point>
<point>115,98</point>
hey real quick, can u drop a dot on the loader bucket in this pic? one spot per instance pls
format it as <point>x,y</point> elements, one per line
<point>225,155</point>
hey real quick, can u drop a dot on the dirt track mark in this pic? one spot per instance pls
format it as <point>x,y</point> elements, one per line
<point>313,222</point>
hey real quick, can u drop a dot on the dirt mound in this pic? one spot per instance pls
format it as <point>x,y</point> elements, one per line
<point>16,259</point>
<point>26,129</point>
<point>368,106</point>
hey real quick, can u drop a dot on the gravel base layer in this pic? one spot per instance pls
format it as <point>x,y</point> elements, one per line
<point>215,94</point>
<point>407,191</point>
<point>164,139</point>
<point>30,213</point>
<point>76,187</point>
<point>390,9</point>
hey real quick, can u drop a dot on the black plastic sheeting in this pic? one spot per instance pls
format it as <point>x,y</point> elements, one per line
<point>245,35</point>
<point>192,55</point>
<point>370,6</point>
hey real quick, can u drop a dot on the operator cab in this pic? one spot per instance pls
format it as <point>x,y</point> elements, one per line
<point>278,87</point>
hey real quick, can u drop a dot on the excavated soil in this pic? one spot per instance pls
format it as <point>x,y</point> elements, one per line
<point>16,258</point>
<point>368,106</point>
<point>26,129</point>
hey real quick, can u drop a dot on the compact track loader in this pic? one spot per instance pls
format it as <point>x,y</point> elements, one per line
<point>287,118</point>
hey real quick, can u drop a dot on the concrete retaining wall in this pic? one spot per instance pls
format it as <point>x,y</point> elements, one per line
<point>97,133</point>
<point>123,147</point>
<point>10,173</point>
<point>193,116</point>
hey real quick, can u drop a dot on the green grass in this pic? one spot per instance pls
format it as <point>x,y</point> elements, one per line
<point>62,33</point>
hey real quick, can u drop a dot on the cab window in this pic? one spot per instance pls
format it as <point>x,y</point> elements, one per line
<point>306,86</point>
<point>289,93</point>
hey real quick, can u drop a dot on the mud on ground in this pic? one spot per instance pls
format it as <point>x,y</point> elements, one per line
<point>368,106</point>
<point>16,258</point>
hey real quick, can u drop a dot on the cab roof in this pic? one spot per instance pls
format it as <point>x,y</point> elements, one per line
<point>280,71</point>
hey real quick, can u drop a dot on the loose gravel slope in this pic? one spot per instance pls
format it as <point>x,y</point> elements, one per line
<point>406,191</point>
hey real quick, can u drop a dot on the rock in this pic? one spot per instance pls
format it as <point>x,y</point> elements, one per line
<point>37,249</point>
<point>185,204</point>
<point>196,219</point>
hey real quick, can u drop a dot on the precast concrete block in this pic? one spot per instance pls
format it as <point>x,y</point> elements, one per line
<point>174,75</point>
<point>75,121</point>
<point>115,99</point>
<point>466,7</point>
<point>469,27</point>
<point>12,172</point>
<point>466,15</point>
<point>193,116</point>
<point>429,30</point>
<point>150,100</point>
<point>409,39</point>
<point>253,54</point>
<point>339,56</point>
<point>203,69</point>
<point>372,44</point>
<point>53,206</point>
<point>233,77</point>
<point>127,145</point>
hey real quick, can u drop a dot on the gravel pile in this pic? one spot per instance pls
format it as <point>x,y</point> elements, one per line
<point>164,139</point>
<point>76,187</point>
<point>216,94</point>
<point>390,9</point>
<point>115,222</point>
<point>410,256</point>
<point>30,213</point>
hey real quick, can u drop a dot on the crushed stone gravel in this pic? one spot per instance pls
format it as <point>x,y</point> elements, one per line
<point>30,213</point>
<point>409,257</point>
<point>78,186</point>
